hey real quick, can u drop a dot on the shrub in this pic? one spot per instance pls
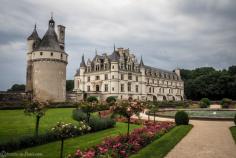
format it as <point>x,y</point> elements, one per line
<point>79,115</point>
<point>235,119</point>
<point>27,141</point>
<point>181,118</point>
<point>92,99</point>
<point>205,103</point>
<point>98,124</point>
<point>226,102</point>
<point>95,123</point>
<point>110,99</point>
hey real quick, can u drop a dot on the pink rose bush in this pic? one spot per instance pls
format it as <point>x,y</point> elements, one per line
<point>122,146</point>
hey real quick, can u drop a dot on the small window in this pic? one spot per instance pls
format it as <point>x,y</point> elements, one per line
<point>122,76</point>
<point>113,77</point>
<point>41,53</point>
<point>113,67</point>
<point>136,88</point>
<point>130,76</point>
<point>97,88</point>
<point>122,89</point>
<point>129,87</point>
<point>51,53</point>
<point>61,56</point>
<point>136,78</point>
<point>113,88</point>
<point>106,77</point>
<point>88,88</point>
<point>106,87</point>
<point>97,77</point>
<point>88,79</point>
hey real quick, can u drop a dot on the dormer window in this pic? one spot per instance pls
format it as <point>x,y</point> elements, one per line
<point>41,53</point>
<point>51,54</point>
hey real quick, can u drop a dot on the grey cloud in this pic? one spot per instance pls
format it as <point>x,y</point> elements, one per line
<point>168,34</point>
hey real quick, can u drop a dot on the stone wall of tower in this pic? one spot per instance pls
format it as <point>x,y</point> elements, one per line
<point>48,75</point>
<point>49,82</point>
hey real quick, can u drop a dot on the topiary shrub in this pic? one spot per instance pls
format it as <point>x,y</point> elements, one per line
<point>181,118</point>
<point>225,102</point>
<point>205,103</point>
<point>111,99</point>
<point>92,99</point>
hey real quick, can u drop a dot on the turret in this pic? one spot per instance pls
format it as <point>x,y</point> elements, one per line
<point>33,40</point>
<point>177,71</point>
<point>82,66</point>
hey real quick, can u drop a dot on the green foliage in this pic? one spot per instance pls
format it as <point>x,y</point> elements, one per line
<point>210,83</point>
<point>95,123</point>
<point>28,141</point>
<point>235,119</point>
<point>17,88</point>
<point>87,108</point>
<point>92,99</point>
<point>111,99</point>
<point>165,143</point>
<point>98,124</point>
<point>181,118</point>
<point>225,102</point>
<point>205,103</point>
<point>37,109</point>
<point>69,85</point>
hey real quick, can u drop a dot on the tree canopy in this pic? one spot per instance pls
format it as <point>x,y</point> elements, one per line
<point>206,82</point>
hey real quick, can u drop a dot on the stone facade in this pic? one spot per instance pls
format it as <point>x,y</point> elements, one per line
<point>46,65</point>
<point>121,75</point>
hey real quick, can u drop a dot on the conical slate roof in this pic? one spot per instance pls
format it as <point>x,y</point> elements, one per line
<point>34,35</point>
<point>50,40</point>
<point>141,63</point>
<point>82,64</point>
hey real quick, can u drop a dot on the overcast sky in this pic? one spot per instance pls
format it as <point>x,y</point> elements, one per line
<point>168,34</point>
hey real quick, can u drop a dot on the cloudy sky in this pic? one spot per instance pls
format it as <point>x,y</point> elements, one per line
<point>168,34</point>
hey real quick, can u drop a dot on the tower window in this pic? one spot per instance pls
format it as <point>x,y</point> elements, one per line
<point>61,56</point>
<point>97,88</point>
<point>51,53</point>
<point>106,87</point>
<point>41,53</point>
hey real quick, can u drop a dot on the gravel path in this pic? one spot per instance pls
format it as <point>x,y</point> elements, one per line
<point>207,139</point>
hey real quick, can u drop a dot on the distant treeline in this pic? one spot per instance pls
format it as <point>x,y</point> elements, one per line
<point>210,83</point>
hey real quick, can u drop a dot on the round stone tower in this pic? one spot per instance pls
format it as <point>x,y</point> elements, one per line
<point>46,65</point>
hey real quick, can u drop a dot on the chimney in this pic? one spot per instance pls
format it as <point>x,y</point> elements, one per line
<point>61,36</point>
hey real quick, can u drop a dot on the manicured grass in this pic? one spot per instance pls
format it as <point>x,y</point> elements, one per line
<point>15,124</point>
<point>160,147</point>
<point>233,132</point>
<point>52,149</point>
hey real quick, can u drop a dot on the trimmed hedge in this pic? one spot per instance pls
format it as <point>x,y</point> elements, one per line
<point>92,99</point>
<point>235,119</point>
<point>204,103</point>
<point>111,99</point>
<point>28,141</point>
<point>225,102</point>
<point>181,118</point>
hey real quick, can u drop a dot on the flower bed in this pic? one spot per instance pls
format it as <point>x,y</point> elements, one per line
<point>123,146</point>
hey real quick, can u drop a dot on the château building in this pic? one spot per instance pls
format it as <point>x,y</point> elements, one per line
<point>46,65</point>
<point>122,76</point>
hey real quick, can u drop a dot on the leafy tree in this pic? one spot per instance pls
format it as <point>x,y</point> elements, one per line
<point>17,88</point>
<point>88,108</point>
<point>92,99</point>
<point>37,109</point>
<point>69,85</point>
<point>128,109</point>
<point>232,70</point>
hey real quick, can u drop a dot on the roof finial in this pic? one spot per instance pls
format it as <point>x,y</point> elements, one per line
<point>51,15</point>
<point>141,61</point>
<point>35,26</point>
<point>114,47</point>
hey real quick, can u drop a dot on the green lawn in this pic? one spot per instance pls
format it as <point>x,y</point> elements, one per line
<point>15,124</point>
<point>160,147</point>
<point>51,150</point>
<point>233,132</point>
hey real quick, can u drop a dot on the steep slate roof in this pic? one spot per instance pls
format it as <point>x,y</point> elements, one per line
<point>50,40</point>
<point>114,56</point>
<point>82,64</point>
<point>34,35</point>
